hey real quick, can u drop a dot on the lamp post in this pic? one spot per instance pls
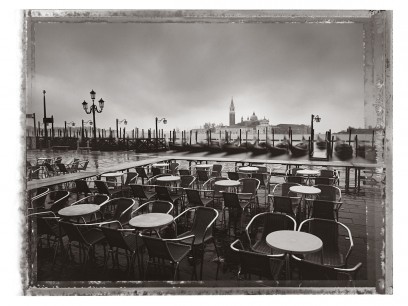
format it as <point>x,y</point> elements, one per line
<point>83,123</point>
<point>72,123</point>
<point>317,119</point>
<point>157,131</point>
<point>93,109</point>
<point>124,121</point>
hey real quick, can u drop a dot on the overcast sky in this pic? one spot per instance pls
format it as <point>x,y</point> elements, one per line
<point>189,72</point>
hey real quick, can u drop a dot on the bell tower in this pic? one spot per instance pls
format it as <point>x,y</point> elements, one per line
<point>232,113</point>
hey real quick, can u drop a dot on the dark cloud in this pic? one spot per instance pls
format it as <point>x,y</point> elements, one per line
<point>188,72</point>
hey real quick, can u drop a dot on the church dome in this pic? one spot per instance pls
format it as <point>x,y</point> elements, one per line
<point>254,117</point>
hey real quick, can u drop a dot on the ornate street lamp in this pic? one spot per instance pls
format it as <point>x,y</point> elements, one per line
<point>93,109</point>
<point>164,120</point>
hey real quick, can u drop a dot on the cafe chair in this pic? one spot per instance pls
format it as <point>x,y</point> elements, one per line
<point>55,200</point>
<point>38,201</point>
<point>82,165</point>
<point>236,209</point>
<point>173,168</point>
<point>284,189</point>
<point>64,169</point>
<point>315,271</point>
<point>50,170</point>
<point>210,189</point>
<point>86,237</point>
<point>46,226</point>
<point>155,206</point>
<point>130,178</point>
<point>331,193</point>
<point>263,178</point>
<point>35,172</point>
<point>249,191</point>
<point>162,250</point>
<point>252,263</point>
<point>324,209</point>
<point>335,237</point>
<point>201,229</point>
<point>141,172</point>
<point>141,193</point>
<point>331,174</point>
<point>202,177</point>
<point>195,198</point>
<point>153,180</point>
<point>216,170</point>
<point>81,187</point>
<point>103,188</point>
<point>263,224</point>
<point>164,194</point>
<point>117,209</point>
<point>125,239</point>
<point>235,176</point>
<point>156,171</point>
<point>285,205</point>
<point>295,179</point>
<point>293,171</point>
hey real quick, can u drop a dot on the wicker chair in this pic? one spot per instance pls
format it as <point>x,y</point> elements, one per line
<point>173,168</point>
<point>81,186</point>
<point>98,199</point>
<point>162,250</point>
<point>332,233</point>
<point>130,178</point>
<point>155,206</point>
<point>201,229</point>
<point>285,205</point>
<point>141,172</point>
<point>118,209</point>
<point>163,194</point>
<point>324,180</point>
<point>263,265</point>
<point>216,170</point>
<point>141,193</point>
<point>119,238</point>
<point>82,165</point>
<point>235,208</point>
<point>282,190</point>
<point>103,188</point>
<point>249,191</point>
<point>194,198</point>
<point>263,224</point>
<point>38,201</point>
<point>202,177</point>
<point>332,194</point>
<point>56,200</point>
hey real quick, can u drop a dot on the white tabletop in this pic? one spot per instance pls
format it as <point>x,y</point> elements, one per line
<point>204,166</point>
<point>248,169</point>
<point>112,174</point>
<point>294,242</point>
<point>227,183</point>
<point>308,172</point>
<point>168,178</point>
<point>78,210</point>
<point>160,165</point>
<point>151,221</point>
<point>305,189</point>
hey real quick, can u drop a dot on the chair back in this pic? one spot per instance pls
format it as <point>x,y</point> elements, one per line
<point>163,193</point>
<point>141,172</point>
<point>62,168</point>
<point>131,178</point>
<point>102,187</point>
<point>83,165</point>
<point>114,237</point>
<point>249,185</point>
<point>323,210</point>
<point>38,201</point>
<point>324,180</point>
<point>58,200</point>
<point>156,247</point>
<point>73,232</point>
<point>58,160</point>
<point>74,166</point>
<point>41,190</point>
<point>138,191</point>
<point>184,171</point>
<point>186,181</point>
<point>259,264</point>
<point>293,171</point>
<point>49,167</point>
<point>173,168</point>
<point>262,169</point>
<point>122,209</point>
<point>295,179</point>
<point>193,197</point>
<point>231,200</point>
<point>202,175</point>
<point>156,171</point>
<point>163,207</point>
<point>47,224</point>
<point>204,218</point>
<point>329,193</point>
<point>285,188</point>
<point>233,175</point>
<point>82,187</point>
<point>326,230</point>
<point>216,170</point>
<point>97,199</point>
<point>261,177</point>
<point>283,205</point>
<point>327,173</point>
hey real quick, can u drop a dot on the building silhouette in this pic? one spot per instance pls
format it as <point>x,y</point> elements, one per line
<point>232,113</point>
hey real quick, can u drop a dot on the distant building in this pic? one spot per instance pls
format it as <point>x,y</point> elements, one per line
<point>232,113</point>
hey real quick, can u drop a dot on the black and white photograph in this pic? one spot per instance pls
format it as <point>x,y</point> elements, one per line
<point>216,152</point>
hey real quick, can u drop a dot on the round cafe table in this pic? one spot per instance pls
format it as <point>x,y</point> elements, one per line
<point>152,221</point>
<point>229,184</point>
<point>203,166</point>
<point>112,177</point>
<point>168,179</point>
<point>304,191</point>
<point>293,242</point>
<point>161,166</point>
<point>308,173</point>
<point>78,210</point>
<point>249,169</point>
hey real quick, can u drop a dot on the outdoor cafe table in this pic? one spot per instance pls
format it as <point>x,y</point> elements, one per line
<point>78,210</point>
<point>304,191</point>
<point>113,175</point>
<point>308,173</point>
<point>168,179</point>
<point>151,221</point>
<point>293,242</point>
<point>161,166</point>
<point>229,184</point>
<point>249,169</point>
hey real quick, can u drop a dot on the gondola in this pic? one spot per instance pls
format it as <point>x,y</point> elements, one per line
<point>280,148</point>
<point>214,147</point>
<point>259,148</point>
<point>233,147</point>
<point>321,143</point>
<point>299,149</point>
<point>343,150</point>
<point>367,152</point>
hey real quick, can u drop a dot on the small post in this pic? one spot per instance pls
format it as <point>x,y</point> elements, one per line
<point>372,140</point>
<point>191,135</point>
<point>196,135</point>
<point>356,144</point>
<point>273,137</point>
<point>258,135</point>
<point>240,136</point>
<point>349,129</point>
